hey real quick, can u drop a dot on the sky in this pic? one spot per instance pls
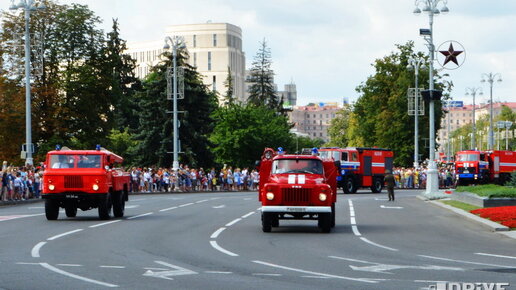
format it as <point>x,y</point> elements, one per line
<point>327,47</point>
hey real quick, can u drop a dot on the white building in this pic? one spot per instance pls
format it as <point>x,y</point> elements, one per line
<point>214,49</point>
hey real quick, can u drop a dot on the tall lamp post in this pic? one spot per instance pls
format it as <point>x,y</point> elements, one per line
<point>490,77</point>
<point>473,92</point>
<point>430,7</point>
<point>177,42</point>
<point>27,6</point>
<point>416,63</point>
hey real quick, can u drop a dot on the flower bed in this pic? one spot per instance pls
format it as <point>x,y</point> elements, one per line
<point>506,215</point>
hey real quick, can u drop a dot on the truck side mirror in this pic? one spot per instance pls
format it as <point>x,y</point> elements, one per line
<point>257,164</point>
<point>337,164</point>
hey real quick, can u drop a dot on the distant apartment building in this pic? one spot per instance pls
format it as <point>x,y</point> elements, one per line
<point>213,48</point>
<point>289,94</point>
<point>314,120</point>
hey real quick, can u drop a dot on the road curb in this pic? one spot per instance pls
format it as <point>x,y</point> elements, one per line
<point>495,227</point>
<point>19,202</point>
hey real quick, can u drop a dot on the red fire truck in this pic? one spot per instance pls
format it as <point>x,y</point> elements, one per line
<point>297,187</point>
<point>360,167</point>
<point>84,179</point>
<point>473,166</point>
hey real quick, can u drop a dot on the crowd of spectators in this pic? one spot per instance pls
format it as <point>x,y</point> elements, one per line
<point>20,183</point>
<point>415,178</point>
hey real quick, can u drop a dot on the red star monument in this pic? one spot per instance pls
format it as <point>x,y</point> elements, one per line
<point>450,54</point>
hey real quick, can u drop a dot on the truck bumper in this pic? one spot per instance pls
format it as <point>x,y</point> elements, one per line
<point>296,209</point>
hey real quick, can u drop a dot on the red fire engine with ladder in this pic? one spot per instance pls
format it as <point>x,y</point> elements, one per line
<point>473,166</point>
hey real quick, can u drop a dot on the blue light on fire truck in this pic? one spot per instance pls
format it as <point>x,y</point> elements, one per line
<point>280,151</point>
<point>58,147</point>
<point>315,152</point>
<point>97,147</point>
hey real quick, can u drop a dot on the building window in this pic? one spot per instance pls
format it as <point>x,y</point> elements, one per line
<point>214,39</point>
<point>194,40</point>
<point>320,134</point>
<point>314,116</point>
<point>214,83</point>
<point>195,59</point>
<point>209,60</point>
<point>314,122</point>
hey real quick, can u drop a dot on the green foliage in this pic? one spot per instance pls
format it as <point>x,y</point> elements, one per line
<point>512,181</point>
<point>243,131</point>
<point>229,97</point>
<point>301,142</point>
<point>489,190</point>
<point>261,90</point>
<point>380,116</point>
<point>338,130</point>
<point>122,143</point>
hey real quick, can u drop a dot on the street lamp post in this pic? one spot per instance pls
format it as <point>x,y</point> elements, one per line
<point>448,153</point>
<point>416,63</point>
<point>430,6</point>
<point>27,6</point>
<point>473,92</point>
<point>176,42</point>
<point>490,77</point>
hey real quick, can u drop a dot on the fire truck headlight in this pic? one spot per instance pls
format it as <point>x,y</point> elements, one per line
<point>476,176</point>
<point>95,187</point>
<point>322,196</point>
<point>51,187</point>
<point>270,195</point>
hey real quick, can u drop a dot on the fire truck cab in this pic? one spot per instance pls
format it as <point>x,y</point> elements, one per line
<point>84,179</point>
<point>360,167</point>
<point>473,166</point>
<point>297,187</point>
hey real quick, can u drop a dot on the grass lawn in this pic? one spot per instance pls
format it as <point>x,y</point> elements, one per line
<point>464,206</point>
<point>489,190</point>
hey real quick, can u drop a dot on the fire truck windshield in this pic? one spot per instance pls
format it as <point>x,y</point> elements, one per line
<point>309,166</point>
<point>75,161</point>
<point>468,157</point>
<point>330,154</point>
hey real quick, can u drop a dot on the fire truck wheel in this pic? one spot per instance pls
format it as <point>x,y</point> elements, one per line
<point>71,210</point>
<point>349,185</point>
<point>51,209</point>
<point>118,204</point>
<point>324,222</point>
<point>333,215</point>
<point>377,185</point>
<point>105,207</point>
<point>266,222</point>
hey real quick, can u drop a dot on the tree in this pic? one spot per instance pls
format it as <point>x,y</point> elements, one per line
<point>338,130</point>
<point>243,131</point>
<point>261,90</point>
<point>380,114</point>
<point>12,122</point>
<point>229,97</point>
<point>155,130</point>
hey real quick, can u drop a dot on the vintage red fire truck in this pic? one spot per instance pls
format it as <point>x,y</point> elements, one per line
<point>297,187</point>
<point>84,179</point>
<point>473,166</point>
<point>360,167</point>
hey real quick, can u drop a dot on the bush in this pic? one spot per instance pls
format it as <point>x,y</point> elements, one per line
<point>512,181</point>
<point>489,190</point>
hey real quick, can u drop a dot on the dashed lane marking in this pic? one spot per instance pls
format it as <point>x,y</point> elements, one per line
<point>465,262</point>
<point>112,267</point>
<point>355,230</point>
<point>267,274</point>
<point>200,201</point>
<point>103,224</point>
<point>316,277</point>
<point>141,215</point>
<point>394,207</point>
<point>69,265</point>
<point>365,280</point>
<point>59,271</point>
<point>35,250</point>
<point>233,222</point>
<point>493,255</point>
<point>222,250</point>
<point>248,215</point>
<point>63,234</point>
<point>167,209</point>
<point>186,204</point>
<point>217,272</point>
<point>219,206</point>
<point>217,233</point>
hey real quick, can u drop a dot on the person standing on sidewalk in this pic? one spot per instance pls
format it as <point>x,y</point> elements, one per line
<point>390,182</point>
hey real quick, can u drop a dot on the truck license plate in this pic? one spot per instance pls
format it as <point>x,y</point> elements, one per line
<point>295,209</point>
<point>72,196</point>
<point>466,171</point>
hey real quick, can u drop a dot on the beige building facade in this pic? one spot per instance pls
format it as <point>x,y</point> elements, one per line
<point>213,48</point>
<point>314,120</point>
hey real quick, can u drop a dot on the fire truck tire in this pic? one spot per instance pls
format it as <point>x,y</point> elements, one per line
<point>377,185</point>
<point>333,215</point>
<point>51,209</point>
<point>71,210</point>
<point>118,204</point>
<point>324,222</point>
<point>349,185</point>
<point>266,222</point>
<point>105,207</point>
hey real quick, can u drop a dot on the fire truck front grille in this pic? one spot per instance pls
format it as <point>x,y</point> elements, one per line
<point>73,182</point>
<point>296,195</point>
<point>468,169</point>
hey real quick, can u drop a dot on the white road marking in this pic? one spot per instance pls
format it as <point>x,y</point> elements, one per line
<point>395,207</point>
<point>12,217</point>
<point>217,272</point>
<point>365,280</point>
<point>317,277</point>
<point>380,198</point>
<point>498,256</point>
<point>200,201</point>
<point>219,206</point>
<point>351,212</point>
<point>186,204</point>
<point>247,198</point>
<point>156,269</point>
<point>378,245</point>
<point>69,265</point>
<point>35,251</point>
<point>266,274</point>
<point>170,208</point>
<point>59,271</point>
<point>465,262</point>
<point>355,230</point>
<point>140,199</point>
<point>137,216</point>
<point>25,263</point>
<point>36,207</point>
<point>63,234</point>
<point>131,206</point>
<point>233,222</point>
<point>222,250</point>
<point>113,267</point>
<point>352,220</point>
<point>103,224</point>
<point>248,215</point>
<point>351,260</point>
<point>217,233</point>
<point>176,271</point>
<point>383,268</point>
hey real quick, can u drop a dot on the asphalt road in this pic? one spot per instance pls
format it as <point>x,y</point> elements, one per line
<point>214,241</point>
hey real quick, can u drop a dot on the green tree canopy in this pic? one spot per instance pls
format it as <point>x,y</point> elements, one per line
<point>261,79</point>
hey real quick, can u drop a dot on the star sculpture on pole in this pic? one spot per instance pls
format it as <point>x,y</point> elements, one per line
<point>451,54</point>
